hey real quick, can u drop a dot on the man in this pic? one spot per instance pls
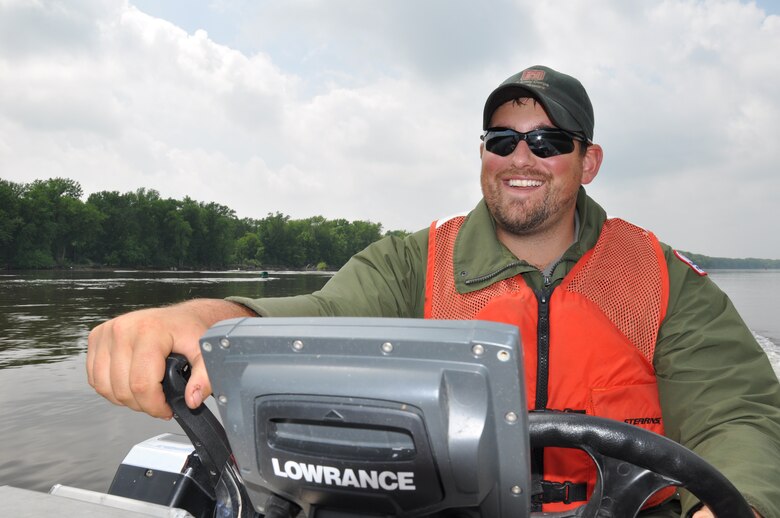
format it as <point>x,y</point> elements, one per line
<point>613,322</point>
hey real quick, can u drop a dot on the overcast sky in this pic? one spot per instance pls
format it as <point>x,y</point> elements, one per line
<point>372,109</point>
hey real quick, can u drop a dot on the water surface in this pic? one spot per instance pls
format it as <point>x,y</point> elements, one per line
<point>53,427</point>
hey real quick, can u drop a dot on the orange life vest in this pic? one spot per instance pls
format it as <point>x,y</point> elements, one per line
<point>588,344</point>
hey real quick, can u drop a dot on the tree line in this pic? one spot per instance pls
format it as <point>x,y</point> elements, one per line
<point>45,224</point>
<point>728,263</point>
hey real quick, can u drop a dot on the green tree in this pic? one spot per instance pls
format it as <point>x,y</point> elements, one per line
<point>146,243</point>
<point>219,227</point>
<point>249,250</point>
<point>279,246</point>
<point>177,234</point>
<point>45,224</point>
<point>363,234</point>
<point>57,225</point>
<point>339,230</point>
<point>77,230</point>
<point>10,219</point>
<point>116,227</point>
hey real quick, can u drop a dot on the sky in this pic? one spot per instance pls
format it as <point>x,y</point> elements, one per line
<point>371,110</point>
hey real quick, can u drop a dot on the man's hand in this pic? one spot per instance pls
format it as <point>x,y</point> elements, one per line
<point>705,512</point>
<point>126,355</point>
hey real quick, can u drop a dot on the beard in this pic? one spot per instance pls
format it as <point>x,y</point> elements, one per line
<point>520,218</point>
<point>528,216</point>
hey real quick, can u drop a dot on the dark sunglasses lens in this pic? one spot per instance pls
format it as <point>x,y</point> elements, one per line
<point>542,143</point>
<point>545,144</point>
<point>501,143</point>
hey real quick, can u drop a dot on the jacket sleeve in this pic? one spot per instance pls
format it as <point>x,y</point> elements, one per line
<point>719,394</point>
<point>387,279</point>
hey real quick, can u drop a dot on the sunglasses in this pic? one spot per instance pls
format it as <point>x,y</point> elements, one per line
<point>543,143</point>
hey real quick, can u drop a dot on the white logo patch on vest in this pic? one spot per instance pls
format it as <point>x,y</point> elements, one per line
<point>332,476</point>
<point>695,267</point>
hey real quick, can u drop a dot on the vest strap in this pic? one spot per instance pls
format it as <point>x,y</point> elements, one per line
<point>566,492</point>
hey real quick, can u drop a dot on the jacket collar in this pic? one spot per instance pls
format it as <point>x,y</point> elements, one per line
<point>480,259</point>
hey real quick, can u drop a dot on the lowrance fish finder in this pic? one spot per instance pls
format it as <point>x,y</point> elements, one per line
<point>374,417</point>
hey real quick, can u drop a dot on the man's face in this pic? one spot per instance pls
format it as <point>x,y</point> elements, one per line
<point>527,194</point>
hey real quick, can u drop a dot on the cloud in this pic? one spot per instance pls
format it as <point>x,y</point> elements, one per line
<point>434,40</point>
<point>30,28</point>
<point>372,111</point>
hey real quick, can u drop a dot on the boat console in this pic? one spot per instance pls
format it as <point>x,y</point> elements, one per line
<point>381,417</point>
<point>348,417</point>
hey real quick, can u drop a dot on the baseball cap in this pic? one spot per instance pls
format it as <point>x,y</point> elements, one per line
<point>562,96</point>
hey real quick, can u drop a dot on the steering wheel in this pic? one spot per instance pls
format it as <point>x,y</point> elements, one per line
<point>632,464</point>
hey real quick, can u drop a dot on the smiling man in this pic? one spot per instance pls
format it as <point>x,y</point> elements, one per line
<point>614,323</point>
<point>533,197</point>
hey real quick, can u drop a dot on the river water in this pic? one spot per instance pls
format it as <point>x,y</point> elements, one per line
<point>55,429</point>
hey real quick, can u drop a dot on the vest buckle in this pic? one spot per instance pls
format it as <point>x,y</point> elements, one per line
<point>566,492</point>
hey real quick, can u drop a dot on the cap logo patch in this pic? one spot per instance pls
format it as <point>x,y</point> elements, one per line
<point>532,75</point>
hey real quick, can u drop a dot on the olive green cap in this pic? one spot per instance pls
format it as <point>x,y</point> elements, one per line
<point>562,96</point>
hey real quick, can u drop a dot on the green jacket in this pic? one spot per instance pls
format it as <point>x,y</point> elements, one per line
<point>719,394</point>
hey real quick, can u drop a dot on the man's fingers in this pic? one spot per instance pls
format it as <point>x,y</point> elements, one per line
<point>704,512</point>
<point>126,355</point>
<point>198,387</point>
<point>121,357</point>
<point>90,364</point>
<point>146,372</point>
<point>126,362</point>
<point>99,356</point>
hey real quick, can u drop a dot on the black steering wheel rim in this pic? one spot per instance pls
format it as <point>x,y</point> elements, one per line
<point>612,444</point>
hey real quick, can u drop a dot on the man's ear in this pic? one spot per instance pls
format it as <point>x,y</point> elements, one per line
<point>591,163</point>
<point>481,149</point>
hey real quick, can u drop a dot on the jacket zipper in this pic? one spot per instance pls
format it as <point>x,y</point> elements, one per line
<point>542,363</point>
<point>543,329</point>
<point>489,276</point>
<point>542,378</point>
<point>542,348</point>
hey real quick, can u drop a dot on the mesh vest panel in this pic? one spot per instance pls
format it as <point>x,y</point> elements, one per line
<point>624,275</point>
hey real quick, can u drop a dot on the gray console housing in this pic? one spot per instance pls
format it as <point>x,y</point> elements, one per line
<point>435,409</point>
